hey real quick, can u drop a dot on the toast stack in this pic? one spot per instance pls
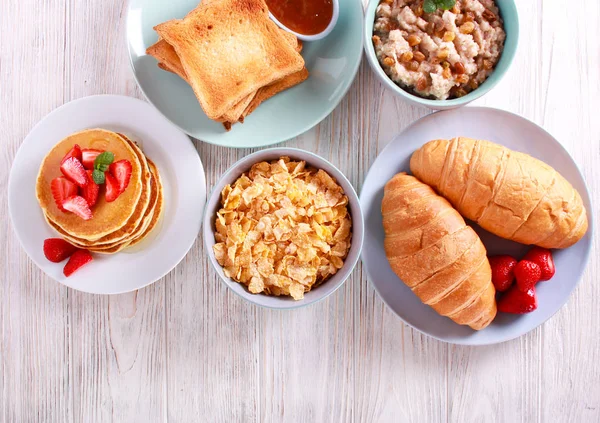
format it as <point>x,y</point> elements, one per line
<point>232,55</point>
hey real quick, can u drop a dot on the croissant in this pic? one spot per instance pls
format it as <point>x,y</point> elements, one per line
<point>433,251</point>
<point>508,193</point>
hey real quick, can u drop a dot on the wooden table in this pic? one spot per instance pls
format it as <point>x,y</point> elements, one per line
<point>187,349</point>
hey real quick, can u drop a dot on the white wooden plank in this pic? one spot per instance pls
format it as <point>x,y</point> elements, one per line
<point>118,357</point>
<point>186,348</point>
<point>35,327</point>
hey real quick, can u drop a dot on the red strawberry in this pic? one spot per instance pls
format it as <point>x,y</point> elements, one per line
<point>88,155</point>
<point>79,206</point>
<point>121,170</point>
<point>91,190</point>
<point>78,259</point>
<point>74,152</point>
<point>57,249</point>
<point>73,170</point>
<point>543,258</point>
<point>517,301</point>
<point>62,189</point>
<point>527,274</point>
<point>112,187</point>
<point>502,271</point>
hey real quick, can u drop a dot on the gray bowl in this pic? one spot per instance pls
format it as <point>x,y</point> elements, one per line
<point>317,293</point>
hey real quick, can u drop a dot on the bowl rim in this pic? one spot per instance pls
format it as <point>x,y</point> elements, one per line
<point>479,92</point>
<point>358,230</point>
<point>313,37</point>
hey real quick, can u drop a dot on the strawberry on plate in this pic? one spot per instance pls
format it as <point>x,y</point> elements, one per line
<point>121,170</point>
<point>62,189</point>
<point>88,155</point>
<point>57,249</point>
<point>78,205</point>
<point>91,190</point>
<point>74,152</point>
<point>502,271</point>
<point>543,258</point>
<point>74,171</point>
<point>112,187</point>
<point>527,274</point>
<point>77,260</point>
<point>518,302</point>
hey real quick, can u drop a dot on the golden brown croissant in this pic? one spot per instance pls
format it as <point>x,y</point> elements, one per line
<point>508,193</point>
<point>433,251</point>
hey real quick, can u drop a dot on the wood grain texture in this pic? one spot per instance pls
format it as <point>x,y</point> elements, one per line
<point>187,349</point>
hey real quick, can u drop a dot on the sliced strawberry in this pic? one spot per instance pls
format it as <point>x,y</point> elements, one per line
<point>57,249</point>
<point>88,155</point>
<point>91,190</point>
<point>73,170</point>
<point>112,187</point>
<point>77,260</point>
<point>74,152</point>
<point>62,189</point>
<point>79,206</point>
<point>121,170</point>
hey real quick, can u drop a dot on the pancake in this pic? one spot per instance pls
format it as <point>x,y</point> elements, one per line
<point>144,228</point>
<point>108,217</point>
<point>132,223</point>
<point>153,219</point>
<point>158,209</point>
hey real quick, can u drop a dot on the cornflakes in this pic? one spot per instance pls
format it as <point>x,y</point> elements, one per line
<point>283,227</point>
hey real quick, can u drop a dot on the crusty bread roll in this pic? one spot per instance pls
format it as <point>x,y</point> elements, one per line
<point>433,251</point>
<point>508,193</point>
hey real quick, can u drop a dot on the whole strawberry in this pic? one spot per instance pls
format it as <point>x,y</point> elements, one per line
<point>57,249</point>
<point>543,258</point>
<point>518,302</point>
<point>502,271</point>
<point>527,274</point>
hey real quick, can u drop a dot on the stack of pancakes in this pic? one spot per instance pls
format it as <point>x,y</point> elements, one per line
<point>232,54</point>
<point>115,225</point>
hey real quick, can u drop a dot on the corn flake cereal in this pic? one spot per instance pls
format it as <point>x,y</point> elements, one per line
<point>282,228</point>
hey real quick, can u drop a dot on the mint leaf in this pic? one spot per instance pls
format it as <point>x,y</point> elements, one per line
<point>429,6</point>
<point>98,176</point>
<point>103,160</point>
<point>446,4</point>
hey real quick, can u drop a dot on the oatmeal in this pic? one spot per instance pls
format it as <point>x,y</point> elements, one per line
<point>439,55</point>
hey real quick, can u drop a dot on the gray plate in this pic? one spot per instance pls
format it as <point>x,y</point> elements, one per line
<point>513,132</point>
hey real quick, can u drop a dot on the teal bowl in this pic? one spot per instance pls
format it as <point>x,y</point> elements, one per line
<point>508,12</point>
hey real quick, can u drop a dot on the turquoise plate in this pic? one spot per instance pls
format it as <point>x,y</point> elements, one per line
<point>332,63</point>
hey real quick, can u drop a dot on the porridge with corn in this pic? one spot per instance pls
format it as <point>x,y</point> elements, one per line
<point>440,55</point>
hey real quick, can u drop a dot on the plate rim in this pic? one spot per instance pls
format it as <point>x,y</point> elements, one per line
<point>239,144</point>
<point>11,182</point>
<point>591,228</point>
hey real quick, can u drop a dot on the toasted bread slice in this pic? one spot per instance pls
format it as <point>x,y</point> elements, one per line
<point>270,90</point>
<point>169,61</point>
<point>229,49</point>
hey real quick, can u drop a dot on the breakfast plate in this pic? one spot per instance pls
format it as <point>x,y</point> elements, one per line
<point>510,131</point>
<point>182,183</point>
<point>332,64</point>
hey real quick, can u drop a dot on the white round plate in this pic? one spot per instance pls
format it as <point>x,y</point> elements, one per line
<point>183,182</point>
<point>503,128</point>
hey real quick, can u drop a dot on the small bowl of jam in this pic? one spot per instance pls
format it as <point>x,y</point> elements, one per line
<point>309,20</point>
